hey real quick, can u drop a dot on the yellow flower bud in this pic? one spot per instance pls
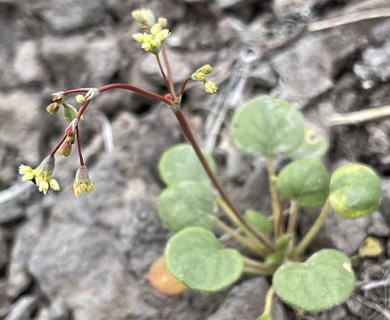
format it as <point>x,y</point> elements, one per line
<point>210,87</point>
<point>144,17</point>
<point>80,98</point>
<point>206,69</point>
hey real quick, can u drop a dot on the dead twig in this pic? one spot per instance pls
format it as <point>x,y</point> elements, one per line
<point>357,116</point>
<point>348,19</point>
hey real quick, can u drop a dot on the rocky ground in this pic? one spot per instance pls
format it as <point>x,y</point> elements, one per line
<point>68,259</point>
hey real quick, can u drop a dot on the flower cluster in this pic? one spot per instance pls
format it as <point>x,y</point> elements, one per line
<point>82,182</point>
<point>42,175</point>
<point>200,75</point>
<point>151,42</point>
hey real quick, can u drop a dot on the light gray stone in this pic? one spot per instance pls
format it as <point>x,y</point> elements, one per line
<point>246,301</point>
<point>18,278</point>
<point>223,4</point>
<point>85,267</point>
<point>379,226</point>
<point>27,66</point>
<point>70,15</point>
<point>375,65</point>
<point>23,308</point>
<point>3,249</point>
<point>289,7</point>
<point>102,56</point>
<point>302,76</point>
<point>21,123</point>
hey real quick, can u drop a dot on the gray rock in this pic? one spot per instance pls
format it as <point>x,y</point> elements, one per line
<point>143,234</point>
<point>381,31</point>
<point>43,314</point>
<point>58,310</point>
<point>23,308</point>
<point>223,4</point>
<point>262,75</point>
<point>27,65</point>
<point>67,66</point>
<point>102,56</point>
<point>3,249</point>
<point>70,15</point>
<point>378,226</point>
<point>7,76</point>
<point>290,7</point>
<point>341,233</point>
<point>302,76</point>
<point>180,68</point>
<point>85,267</point>
<point>246,301</point>
<point>25,240</point>
<point>375,65</point>
<point>21,123</point>
<point>5,303</point>
<point>11,212</point>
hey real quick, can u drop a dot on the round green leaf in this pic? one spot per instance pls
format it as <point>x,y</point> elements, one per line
<point>195,257</point>
<point>312,146</point>
<point>267,126</point>
<point>355,190</point>
<point>305,181</point>
<point>180,163</point>
<point>189,203</point>
<point>258,220</point>
<point>325,280</point>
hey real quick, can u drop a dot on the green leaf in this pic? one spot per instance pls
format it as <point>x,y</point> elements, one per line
<point>312,146</point>
<point>180,163</point>
<point>267,126</point>
<point>258,220</point>
<point>323,281</point>
<point>189,203</point>
<point>355,190</point>
<point>305,181</point>
<point>195,257</point>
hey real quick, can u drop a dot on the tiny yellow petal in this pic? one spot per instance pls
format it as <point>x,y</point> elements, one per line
<point>156,29</point>
<point>210,87</point>
<point>139,37</point>
<point>54,184</point>
<point>80,98</point>
<point>206,69</point>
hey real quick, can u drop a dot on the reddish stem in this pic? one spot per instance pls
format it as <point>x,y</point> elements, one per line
<point>52,154</point>
<point>188,133</point>
<point>184,85</point>
<point>163,74</point>
<point>79,146</point>
<point>169,72</point>
<point>137,90</point>
<point>72,91</point>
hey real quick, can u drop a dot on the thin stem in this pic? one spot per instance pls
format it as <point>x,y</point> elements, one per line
<point>292,222</point>
<point>258,271</point>
<point>163,73</point>
<point>268,303</point>
<point>239,238</point>
<point>136,90</point>
<point>313,230</point>
<point>169,72</point>
<point>274,196</point>
<point>183,86</point>
<point>79,146</point>
<point>82,109</point>
<point>188,133</point>
<point>80,90</point>
<point>52,154</point>
<point>260,247</point>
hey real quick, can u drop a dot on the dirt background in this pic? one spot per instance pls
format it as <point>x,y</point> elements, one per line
<point>68,259</point>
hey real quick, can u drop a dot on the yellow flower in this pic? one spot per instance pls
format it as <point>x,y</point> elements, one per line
<point>144,17</point>
<point>42,175</point>
<point>82,182</point>
<point>210,87</point>
<point>198,76</point>
<point>206,69</point>
<point>152,42</point>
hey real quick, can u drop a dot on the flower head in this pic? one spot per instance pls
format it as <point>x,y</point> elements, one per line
<point>144,17</point>
<point>152,42</point>
<point>210,87</point>
<point>201,76</point>
<point>82,182</point>
<point>42,175</point>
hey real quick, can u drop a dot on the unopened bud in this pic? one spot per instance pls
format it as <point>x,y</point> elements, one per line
<point>210,87</point>
<point>198,76</point>
<point>65,149</point>
<point>53,108</point>
<point>163,22</point>
<point>58,97</point>
<point>70,139</point>
<point>70,112</point>
<point>206,69</point>
<point>80,98</point>
<point>71,129</point>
